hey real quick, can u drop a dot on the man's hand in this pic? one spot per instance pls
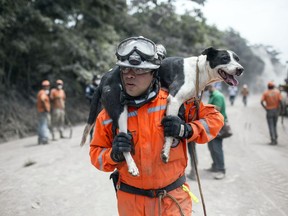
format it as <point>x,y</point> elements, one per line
<point>175,127</point>
<point>121,143</point>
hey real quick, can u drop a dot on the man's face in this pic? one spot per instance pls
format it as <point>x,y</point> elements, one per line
<point>135,82</point>
<point>209,88</point>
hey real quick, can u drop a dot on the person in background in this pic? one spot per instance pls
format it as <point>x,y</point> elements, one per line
<point>58,98</point>
<point>244,93</point>
<point>232,94</point>
<point>161,188</point>
<point>43,108</point>
<point>215,146</point>
<point>271,102</point>
<point>90,89</point>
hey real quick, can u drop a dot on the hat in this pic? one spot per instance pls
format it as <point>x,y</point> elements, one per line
<point>45,83</point>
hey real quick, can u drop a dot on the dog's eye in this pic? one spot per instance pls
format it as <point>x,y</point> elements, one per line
<point>225,59</point>
<point>236,58</point>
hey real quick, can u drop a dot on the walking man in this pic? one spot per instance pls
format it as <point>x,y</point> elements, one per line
<point>232,94</point>
<point>43,108</point>
<point>271,102</point>
<point>245,93</point>
<point>58,98</point>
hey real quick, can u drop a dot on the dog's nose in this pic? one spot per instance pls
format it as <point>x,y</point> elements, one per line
<point>239,71</point>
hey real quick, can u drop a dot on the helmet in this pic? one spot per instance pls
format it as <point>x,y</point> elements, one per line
<point>271,84</point>
<point>59,82</point>
<point>161,51</point>
<point>45,83</point>
<point>137,52</point>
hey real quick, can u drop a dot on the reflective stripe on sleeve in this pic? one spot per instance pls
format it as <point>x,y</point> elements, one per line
<point>100,160</point>
<point>205,125</point>
<point>108,121</point>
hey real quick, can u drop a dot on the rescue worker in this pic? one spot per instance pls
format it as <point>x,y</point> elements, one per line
<point>58,98</point>
<point>161,188</point>
<point>43,108</point>
<point>271,102</point>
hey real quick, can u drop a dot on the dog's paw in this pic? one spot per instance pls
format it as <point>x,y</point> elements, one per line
<point>165,157</point>
<point>133,171</point>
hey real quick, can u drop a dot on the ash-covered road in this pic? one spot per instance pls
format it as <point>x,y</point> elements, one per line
<point>61,181</point>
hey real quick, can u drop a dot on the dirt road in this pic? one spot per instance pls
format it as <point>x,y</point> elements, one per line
<point>60,180</point>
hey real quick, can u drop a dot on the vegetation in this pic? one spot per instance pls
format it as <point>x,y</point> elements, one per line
<point>74,40</point>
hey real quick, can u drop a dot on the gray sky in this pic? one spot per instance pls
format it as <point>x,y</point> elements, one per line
<point>258,21</point>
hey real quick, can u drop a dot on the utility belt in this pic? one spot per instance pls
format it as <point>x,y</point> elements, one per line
<point>152,193</point>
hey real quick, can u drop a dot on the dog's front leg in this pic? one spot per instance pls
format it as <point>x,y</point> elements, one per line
<point>122,122</point>
<point>173,106</point>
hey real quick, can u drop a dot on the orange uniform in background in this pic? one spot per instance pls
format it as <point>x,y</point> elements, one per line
<point>43,108</point>
<point>272,98</point>
<point>271,102</point>
<point>145,126</point>
<point>58,98</point>
<point>43,102</point>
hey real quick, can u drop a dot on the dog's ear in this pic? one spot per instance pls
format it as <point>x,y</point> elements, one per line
<point>210,52</point>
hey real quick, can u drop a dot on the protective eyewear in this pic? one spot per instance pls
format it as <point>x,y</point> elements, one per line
<point>138,71</point>
<point>143,46</point>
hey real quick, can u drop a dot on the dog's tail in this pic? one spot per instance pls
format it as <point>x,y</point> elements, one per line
<point>95,109</point>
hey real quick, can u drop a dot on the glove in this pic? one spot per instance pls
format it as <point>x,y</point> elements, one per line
<point>121,143</point>
<point>175,127</point>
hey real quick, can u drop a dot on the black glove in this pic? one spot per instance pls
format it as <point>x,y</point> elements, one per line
<point>122,143</point>
<point>175,127</point>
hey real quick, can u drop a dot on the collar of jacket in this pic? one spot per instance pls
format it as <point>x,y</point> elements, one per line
<point>139,101</point>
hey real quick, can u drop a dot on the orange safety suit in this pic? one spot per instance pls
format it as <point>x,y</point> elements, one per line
<point>272,98</point>
<point>145,126</point>
<point>43,102</point>
<point>58,97</point>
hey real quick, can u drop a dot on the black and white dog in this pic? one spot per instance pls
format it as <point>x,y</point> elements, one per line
<point>176,74</point>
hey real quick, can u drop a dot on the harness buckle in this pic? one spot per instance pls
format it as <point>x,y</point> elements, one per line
<point>161,193</point>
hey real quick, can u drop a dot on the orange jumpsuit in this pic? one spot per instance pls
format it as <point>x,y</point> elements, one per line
<point>272,98</point>
<point>43,102</point>
<point>58,97</point>
<point>148,136</point>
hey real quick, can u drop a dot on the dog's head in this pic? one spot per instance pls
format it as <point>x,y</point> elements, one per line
<point>225,63</point>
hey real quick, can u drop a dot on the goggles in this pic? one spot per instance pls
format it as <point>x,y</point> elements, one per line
<point>138,71</point>
<point>143,46</point>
